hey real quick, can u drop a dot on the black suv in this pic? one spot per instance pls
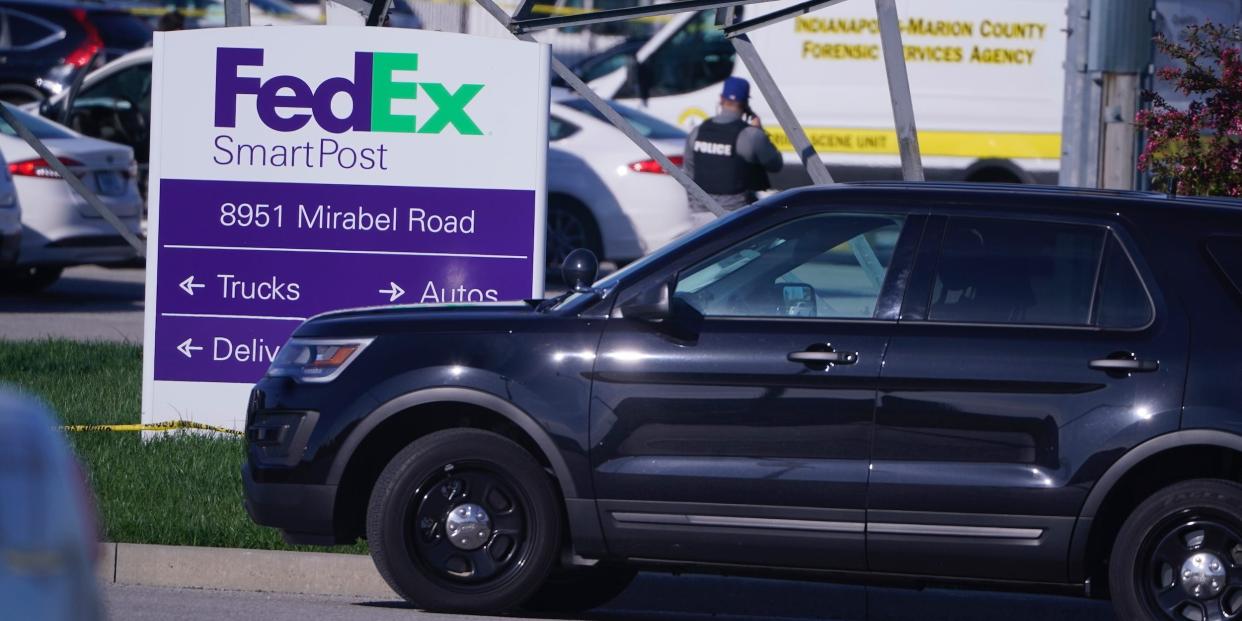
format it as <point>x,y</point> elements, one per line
<point>1016,386</point>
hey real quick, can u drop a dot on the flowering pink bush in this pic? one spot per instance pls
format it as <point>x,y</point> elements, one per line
<point>1201,146</point>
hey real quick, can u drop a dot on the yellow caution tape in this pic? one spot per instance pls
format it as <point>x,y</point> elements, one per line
<point>1036,145</point>
<point>164,426</point>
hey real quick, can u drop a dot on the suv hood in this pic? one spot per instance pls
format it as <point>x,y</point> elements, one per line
<point>374,321</point>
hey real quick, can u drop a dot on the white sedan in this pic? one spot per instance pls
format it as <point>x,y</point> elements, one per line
<point>604,193</point>
<point>59,228</point>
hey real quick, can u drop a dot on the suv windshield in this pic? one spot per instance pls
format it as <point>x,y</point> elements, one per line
<point>605,285</point>
<point>41,128</point>
<point>646,125</point>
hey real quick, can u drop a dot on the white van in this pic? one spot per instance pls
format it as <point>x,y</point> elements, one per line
<point>986,79</point>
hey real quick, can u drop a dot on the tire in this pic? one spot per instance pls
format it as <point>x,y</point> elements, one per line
<point>409,523</point>
<point>570,226</point>
<point>30,279</point>
<point>580,589</point>
<point>20,94</point>
<point>1194,526</point>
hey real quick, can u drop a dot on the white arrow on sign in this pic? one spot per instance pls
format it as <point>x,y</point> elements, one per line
<point>186,347</point>
<point>189,285</point>
<point>393,293</point>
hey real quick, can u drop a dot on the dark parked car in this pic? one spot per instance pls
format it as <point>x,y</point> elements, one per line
<point>1024,387</point>
<point>44,44</point>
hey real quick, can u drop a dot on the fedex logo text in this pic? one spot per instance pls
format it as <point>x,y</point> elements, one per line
<point>371,92</point>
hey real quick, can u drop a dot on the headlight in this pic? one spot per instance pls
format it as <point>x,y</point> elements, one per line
<point>316,360</point>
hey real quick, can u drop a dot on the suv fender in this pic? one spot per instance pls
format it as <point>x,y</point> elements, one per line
<point>1121,467</point>
<point>455,394</point>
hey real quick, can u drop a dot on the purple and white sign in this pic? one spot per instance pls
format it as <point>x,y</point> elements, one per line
<point>302,170</point>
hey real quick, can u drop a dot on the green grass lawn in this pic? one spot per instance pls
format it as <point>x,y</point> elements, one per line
<point>179,489</point>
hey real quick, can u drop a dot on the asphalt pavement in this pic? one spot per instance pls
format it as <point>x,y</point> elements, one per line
<point>652,597</point>
<point>88,303</point>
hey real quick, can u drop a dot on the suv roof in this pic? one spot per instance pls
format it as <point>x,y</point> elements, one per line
<point>1081,197</point>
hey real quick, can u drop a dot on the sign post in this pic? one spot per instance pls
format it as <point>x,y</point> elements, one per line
<point>301,170</point>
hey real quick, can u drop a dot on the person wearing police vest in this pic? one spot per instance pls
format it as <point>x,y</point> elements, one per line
<point>729,155</point>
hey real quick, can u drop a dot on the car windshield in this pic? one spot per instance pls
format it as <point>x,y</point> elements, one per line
<point>647,125</point>
<point>604,286</point>
<point>41,128</point>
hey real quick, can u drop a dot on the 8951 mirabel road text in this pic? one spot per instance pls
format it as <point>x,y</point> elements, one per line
<point>329,218</point>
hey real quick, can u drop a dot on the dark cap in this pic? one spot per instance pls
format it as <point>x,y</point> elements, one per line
<point>735,89</point>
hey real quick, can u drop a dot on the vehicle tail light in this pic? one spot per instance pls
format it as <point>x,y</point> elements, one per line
<point>652,166</point>
<point>39,168</point>
<point>93,43</point>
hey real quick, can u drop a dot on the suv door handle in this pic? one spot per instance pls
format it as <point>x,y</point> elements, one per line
<point>1125,365</point>
<point>823,358</point>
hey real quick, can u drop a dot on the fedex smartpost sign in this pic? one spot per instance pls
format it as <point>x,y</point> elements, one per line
<point>305,169</point>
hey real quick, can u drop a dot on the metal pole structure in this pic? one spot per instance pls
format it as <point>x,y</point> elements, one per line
<point>379,11</point>
<point>1079,148</point>
<point>899,90</point>
<point>73,180</point>
<point>780,107</point>
<point>616,15</point>
<point>802,8</point>
<point>617,120</point>
<point>236,12</point>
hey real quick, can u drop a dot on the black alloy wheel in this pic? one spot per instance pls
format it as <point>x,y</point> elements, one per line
<point>464,520</point>
<point>467,524</point>
<point>570,227</point>
<point>1179,555</point>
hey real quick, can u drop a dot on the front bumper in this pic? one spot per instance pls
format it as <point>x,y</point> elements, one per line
<point>302,512</point>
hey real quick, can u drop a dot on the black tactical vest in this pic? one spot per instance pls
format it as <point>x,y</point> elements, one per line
<point>718,169</point>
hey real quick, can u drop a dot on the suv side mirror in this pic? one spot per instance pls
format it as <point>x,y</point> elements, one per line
<point>653,305</point>
<point>579,270</point>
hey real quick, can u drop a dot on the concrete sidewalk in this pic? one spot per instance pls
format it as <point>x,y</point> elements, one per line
<point>271,571</point>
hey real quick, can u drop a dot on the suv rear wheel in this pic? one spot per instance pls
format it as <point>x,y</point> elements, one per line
<point>30,279</point>
<point>570,227</point>
<point>464,520</point>
<point>1179,555</point>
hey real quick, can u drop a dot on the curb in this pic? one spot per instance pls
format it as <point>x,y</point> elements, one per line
<point>310,573</point>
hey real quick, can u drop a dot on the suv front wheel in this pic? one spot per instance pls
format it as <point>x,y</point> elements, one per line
<point>464,520</point>
<point>1179,555</point>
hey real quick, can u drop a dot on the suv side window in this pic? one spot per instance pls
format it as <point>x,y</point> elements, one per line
<point>1122,301</point>
<point>829,266</point>
<point>19,31</point>
<point>1015,271</point>
<point>998,271</point>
